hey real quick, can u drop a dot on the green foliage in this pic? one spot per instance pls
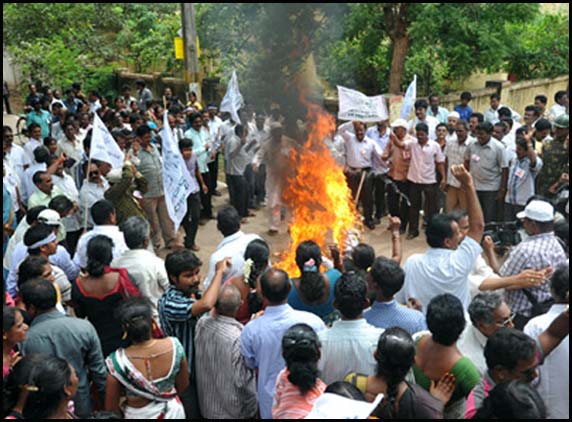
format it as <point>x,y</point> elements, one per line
<point>448,41</point>
<point>542,48</point>
<point>60,43</point>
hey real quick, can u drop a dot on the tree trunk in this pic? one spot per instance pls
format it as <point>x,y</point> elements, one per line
<point>397,23</point>
<point>400,47</point>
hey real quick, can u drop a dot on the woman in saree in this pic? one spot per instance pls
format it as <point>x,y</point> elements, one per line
<point>150,373</point>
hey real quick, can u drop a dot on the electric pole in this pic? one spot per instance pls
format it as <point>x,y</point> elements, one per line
<point>190,42</point>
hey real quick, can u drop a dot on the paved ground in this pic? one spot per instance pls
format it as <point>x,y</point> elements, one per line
<point>208,236</point>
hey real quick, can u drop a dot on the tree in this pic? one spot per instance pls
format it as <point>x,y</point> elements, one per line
<point>437,41</point>
<point>397,23</point>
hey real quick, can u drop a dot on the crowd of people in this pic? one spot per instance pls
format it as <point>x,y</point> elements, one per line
<point>96,324</point>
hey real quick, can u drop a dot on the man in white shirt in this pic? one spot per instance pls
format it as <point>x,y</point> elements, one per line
<point>488,313</point>
<point>452,121</point>
<point>445,267</point>
<point>238,151</point>
<point>215,126</point>
<point>104,218</point>
<point>14,154</point>
<point>492,114</point>
<point>455,154</point>
<point>421,116</point>
<point>427,159</point>
<point>233,245</point>
<point>360,153</point>
<point>145,268</point>
<point>435,110</point>
<point>561,107</point>
<point>40,163</point>
<point>34,142</point>
<point>351,342</point>
<point>554,386</point>
<point>380,135</point>
<point>92,190</point>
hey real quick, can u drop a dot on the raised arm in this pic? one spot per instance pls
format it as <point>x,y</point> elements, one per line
<point>555,333</point>
<point>476,218</point>
<point>208,301</point>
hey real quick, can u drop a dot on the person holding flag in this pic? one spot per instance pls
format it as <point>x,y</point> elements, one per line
<point>154,200</point>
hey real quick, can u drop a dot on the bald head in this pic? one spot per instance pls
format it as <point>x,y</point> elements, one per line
<point>275,286</point>
<point>229,301</point>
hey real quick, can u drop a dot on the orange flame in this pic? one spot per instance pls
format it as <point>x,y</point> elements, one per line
<point>317,194</point>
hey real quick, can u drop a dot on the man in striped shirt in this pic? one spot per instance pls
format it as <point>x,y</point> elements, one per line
<point>181,304</point>
<point>226,386</point>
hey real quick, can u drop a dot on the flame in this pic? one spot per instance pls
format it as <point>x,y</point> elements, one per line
<point>317,194</point>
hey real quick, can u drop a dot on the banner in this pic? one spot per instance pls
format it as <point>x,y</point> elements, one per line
<point>357,106</point>
<point>232,101</point>
<point>176,178</point>
<point>409,99</point>
<point>103,145</point>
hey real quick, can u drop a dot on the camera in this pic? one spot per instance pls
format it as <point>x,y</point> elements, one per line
<point>504,234</point>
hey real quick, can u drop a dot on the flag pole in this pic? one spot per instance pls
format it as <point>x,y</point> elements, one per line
<point>87,195</point>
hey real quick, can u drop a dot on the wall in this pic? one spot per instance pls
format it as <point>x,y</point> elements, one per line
<point>10,72</point>
<point>517,95</point>
<point>211,88</point>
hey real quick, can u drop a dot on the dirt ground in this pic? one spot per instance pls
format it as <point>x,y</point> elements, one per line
<point>209,237</point>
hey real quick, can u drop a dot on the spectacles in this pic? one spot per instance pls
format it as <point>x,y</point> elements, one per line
<point>507,322</point>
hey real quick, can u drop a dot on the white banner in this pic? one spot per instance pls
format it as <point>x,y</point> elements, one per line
<point>357,106</point>
<point>232,101</point>
<point>409,99</point>
<point>103,146</point>
<point>176,178</point>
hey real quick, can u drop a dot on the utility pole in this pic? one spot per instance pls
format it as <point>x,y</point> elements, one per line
<point>190,42</point>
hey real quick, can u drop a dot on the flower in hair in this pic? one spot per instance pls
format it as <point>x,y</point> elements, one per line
<point>247,269</point>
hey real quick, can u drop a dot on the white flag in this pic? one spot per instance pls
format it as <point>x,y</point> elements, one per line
<point>357,106</point>
<point>103,146</point>
<point>232,101</point>
<point>409,99</point>
<point>176,178</point>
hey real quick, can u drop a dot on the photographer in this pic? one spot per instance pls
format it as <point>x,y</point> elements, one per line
<point>541,250</point>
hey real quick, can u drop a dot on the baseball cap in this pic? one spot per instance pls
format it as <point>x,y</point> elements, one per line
<point>49,217</point>
<point>540,211</point>
<point>400,123</point>
<point>562,121</point>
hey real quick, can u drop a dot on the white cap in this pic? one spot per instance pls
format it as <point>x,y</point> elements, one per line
<point>540,211</point>
<point>400,123</point>
<point>455,115</point>
<point>49,217</point>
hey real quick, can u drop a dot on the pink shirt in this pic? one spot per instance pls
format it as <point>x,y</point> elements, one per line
<point>289,403</point>
<point>400,159</point>
<point>423,162</point>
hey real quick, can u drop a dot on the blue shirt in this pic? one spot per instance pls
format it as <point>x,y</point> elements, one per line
<point>42,118</point>
<point>392,314</point>
<point>325,311</point>
<point>76,341</point>
<point>464,112</point>
<point>200,145</point>
<point>261,347</point>
<point>177,319</point>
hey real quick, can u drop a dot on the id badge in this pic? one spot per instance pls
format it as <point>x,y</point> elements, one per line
<point>476,158</point>
<point>519,173</point>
